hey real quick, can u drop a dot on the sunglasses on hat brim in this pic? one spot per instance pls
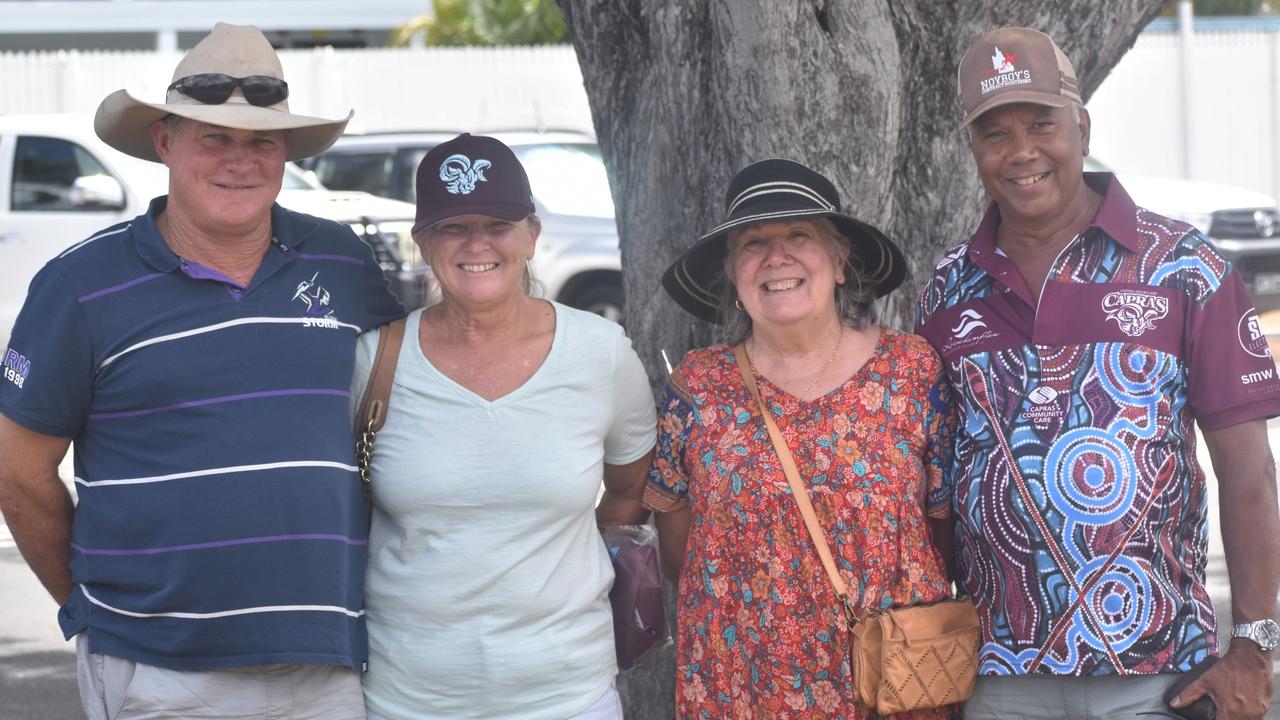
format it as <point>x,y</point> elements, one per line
<point>215,88</point>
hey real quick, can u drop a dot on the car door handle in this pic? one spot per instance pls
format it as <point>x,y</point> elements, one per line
<point>10,237</point>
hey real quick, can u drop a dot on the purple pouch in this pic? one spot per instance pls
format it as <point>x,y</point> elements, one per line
<point>639,616</point>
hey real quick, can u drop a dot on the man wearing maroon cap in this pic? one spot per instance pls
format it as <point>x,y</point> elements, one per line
<point>1086,337</point>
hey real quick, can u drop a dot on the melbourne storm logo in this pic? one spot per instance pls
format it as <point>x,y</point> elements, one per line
<point>16,367</point>
<point>316,298</point>
<point>1135,311</point>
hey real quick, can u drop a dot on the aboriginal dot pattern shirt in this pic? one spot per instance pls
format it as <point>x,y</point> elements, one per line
<point>1081,507</point>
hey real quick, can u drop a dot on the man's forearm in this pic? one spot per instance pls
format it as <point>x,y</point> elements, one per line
<point>39,518</point>
<point>1251,542</point>
<point>1250,521</point>
<point>618,509</point>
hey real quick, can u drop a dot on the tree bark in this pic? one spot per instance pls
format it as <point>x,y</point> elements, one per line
<point>684,93</point>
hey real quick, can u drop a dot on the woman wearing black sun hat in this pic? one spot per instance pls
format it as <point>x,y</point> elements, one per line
<point>864,410</point>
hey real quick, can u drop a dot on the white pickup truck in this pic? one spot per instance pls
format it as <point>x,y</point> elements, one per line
<point>59,184</point>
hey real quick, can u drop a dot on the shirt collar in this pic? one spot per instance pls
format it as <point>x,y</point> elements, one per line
<point>157,253</point>
<point>1115,217</point>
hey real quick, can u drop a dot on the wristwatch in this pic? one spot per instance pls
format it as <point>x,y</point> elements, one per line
<point>1266,633</point>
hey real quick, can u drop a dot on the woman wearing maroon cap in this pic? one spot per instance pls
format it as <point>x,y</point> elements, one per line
<point>865,411</point>
<point>488,582</point>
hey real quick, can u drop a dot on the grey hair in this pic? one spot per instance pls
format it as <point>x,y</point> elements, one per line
<point>528,282</point>
<point>854,298</point>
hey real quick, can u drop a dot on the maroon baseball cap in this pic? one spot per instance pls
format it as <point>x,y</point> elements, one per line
<point>1014,65</point>
<point>471,175</point>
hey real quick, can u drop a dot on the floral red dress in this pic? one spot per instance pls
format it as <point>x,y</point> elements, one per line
<point>760,630</point>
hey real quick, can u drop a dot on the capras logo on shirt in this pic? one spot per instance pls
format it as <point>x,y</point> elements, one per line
<point>1043,409</point>
<point>1043,394</point>
<point>1135,311</point>
<point>16,367</point>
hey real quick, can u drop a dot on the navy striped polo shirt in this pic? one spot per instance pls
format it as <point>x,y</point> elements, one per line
<point>220,520</point>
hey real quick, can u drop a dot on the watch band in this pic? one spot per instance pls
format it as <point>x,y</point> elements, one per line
<point>1265,633</point>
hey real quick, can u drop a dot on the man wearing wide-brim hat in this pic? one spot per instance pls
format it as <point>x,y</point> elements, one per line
<point>1087,338</point>
<point>200,357</point>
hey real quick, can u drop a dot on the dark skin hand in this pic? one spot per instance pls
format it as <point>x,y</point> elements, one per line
<point>943,531</point>
<point>1241,683</point>
<point>623,491</point>
<point>673,535</point>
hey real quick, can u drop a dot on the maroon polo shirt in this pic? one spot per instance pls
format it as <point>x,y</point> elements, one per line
<point>1082,508</point>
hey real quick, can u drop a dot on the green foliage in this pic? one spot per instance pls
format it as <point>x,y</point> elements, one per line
<point>457,23</point>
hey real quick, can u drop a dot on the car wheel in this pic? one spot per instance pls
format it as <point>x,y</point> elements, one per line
<point>602,298</point>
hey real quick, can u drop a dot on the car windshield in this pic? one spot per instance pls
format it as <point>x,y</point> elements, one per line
<point>566,178</point>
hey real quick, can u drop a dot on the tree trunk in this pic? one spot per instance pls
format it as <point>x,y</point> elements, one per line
<point>684,93</point>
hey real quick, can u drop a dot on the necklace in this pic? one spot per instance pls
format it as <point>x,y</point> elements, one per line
<point>823,371</point>
<point>835,350</point>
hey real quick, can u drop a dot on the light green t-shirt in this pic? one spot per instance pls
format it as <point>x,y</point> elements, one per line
<point>488,582</point>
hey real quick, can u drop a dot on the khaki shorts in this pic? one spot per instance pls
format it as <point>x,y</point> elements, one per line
<point>112,688</point>
<point>1053,697</point>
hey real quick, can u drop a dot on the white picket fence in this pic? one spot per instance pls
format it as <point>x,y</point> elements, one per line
<point>390,89</point>
<point>1234,91</point>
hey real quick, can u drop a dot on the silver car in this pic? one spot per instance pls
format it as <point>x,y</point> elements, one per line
<point>59,183</point>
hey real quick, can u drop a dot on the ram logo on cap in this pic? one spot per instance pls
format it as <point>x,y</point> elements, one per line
<point>461,175</point>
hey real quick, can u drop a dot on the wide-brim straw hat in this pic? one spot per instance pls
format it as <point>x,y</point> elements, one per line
<point>123,121</point>
<point>776,191</point>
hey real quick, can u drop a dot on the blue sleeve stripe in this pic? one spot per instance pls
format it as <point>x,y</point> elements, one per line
<point>224,613</point>
<point>121,552</point>
<point>117,288</point>
<point>333,258</point>
<point>223,326</point>
<point>218,471</point>
<point>286,392</point>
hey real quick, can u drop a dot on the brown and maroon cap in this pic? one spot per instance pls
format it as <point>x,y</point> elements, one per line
<point>1014,65</point>
<point>471,175</point>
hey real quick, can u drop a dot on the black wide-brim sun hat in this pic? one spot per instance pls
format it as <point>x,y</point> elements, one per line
<point>776,191</point>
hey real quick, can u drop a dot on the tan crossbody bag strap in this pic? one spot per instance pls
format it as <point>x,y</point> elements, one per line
<point>373,405</point>
<point>377,392</point>
<point>798,490</point>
